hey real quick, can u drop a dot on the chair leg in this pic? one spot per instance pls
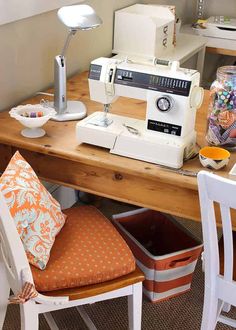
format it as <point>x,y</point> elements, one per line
<point>210,311</point>
<point>4,293</point>
<point>135,307</point>
<point>86,318</point>
<point>50,321</point>
<point>203,262</point>
<point>29,316</point>
<point>226,307</point>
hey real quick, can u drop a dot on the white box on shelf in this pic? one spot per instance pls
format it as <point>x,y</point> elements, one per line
<point>144,30</point>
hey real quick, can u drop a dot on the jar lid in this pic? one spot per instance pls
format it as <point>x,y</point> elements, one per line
<point>227,73</point>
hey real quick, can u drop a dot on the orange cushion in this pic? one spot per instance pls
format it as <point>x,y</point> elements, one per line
<point>37,215</point>
<point>88,250</point>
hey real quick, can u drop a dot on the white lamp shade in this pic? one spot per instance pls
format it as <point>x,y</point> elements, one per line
<point>79,17</point>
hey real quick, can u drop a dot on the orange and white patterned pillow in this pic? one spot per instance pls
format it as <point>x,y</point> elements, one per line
<point>37,215</point>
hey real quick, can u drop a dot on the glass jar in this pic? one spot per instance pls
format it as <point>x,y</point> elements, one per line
<point>221,128</point>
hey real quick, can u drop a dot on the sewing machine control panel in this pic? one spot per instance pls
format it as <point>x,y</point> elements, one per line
<point>145,80</point>
<point>153,82</point>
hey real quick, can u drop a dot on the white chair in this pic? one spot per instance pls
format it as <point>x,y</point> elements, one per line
<point>15,271</point>
<point>220,285</point>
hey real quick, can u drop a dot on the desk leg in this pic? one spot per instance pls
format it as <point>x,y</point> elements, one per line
<point>200,62</point>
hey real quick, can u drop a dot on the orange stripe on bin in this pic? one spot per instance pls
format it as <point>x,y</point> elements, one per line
<point>160,287</point>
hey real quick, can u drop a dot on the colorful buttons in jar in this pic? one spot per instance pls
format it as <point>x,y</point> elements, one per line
<point>221,129</point>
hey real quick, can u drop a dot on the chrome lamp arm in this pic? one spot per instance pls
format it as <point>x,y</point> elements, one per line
<point>60,98</point>
<point>76,17</point>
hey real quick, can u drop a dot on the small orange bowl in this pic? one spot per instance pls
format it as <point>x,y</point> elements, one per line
<point>214,157</point>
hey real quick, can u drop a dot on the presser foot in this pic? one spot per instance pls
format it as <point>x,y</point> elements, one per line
<point>101,120</point>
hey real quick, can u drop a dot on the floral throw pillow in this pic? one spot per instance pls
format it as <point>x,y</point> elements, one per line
<point>37,215</point>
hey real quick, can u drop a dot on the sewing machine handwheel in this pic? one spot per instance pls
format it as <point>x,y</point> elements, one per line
<point>164,103</point>
<point>196,97</point>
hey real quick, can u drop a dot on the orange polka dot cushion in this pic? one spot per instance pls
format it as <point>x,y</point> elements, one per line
<point>88,250</point>
<point>36,213</point>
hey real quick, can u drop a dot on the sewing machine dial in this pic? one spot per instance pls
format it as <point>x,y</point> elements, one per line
<point>164,103</point>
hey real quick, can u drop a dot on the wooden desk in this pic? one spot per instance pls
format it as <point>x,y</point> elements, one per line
<point>58,158</point>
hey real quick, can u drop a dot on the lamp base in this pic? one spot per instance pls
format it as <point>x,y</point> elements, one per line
<point>75,110</point>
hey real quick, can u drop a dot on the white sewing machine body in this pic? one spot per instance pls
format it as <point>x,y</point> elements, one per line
<point>167,136</point>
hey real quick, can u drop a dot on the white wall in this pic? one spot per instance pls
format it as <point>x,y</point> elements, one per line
<point>10,10</point>
<point>185,9</point>
<point>28,48</point>
<point>220,7</point>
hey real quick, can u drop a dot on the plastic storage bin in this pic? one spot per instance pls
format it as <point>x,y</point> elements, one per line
<point>165,251</point>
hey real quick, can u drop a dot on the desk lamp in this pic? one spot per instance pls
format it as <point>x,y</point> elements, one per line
<point>77,17</point>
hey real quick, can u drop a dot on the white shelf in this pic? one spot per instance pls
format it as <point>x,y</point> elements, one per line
<point>186,47</point>
<point>210,41</point>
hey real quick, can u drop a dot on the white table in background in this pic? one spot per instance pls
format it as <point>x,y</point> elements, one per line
<point>186,47</point>
<point>213,45</point>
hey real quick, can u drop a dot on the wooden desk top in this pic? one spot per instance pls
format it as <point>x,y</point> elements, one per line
<point>60,145</point>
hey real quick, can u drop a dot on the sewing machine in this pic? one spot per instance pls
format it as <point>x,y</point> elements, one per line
<point>167,136</point>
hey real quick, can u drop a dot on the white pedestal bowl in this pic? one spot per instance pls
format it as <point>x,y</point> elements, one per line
<point>24,113</point>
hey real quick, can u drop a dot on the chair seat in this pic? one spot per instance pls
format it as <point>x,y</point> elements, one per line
<point>88,250</point>
<point>95,289</point>
<point>221,254</point>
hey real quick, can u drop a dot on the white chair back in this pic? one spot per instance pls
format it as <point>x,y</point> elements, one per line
<point>215,189</point>
<point>217,192</point>
<point>12,252</point>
